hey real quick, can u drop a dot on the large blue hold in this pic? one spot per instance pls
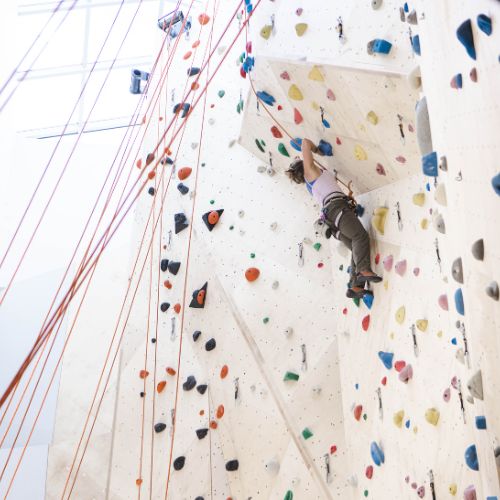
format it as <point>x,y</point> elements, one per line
<point>495,182</point>
<point>471,457</point>
<point>415,43</point>
<point>381,46</point>
<point>459,301</point>
<point>368,300</point>
<point>377,454</point>
<point>464,35</point>
<point>430,164</point>
<point>386,358</point>
<point>325,148</point>
<point>484,24</point>
<point>296,144</point>
<point>266,98</point>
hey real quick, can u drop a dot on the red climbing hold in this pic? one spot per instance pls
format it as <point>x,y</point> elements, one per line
<point>401,159</point>
<point>333,449</point>
<point>249,47</point>
<point>184,173</point>
<point>195,44</point>
<point>161,385</point>
<point>280,107</point>
<point>338,141</point>
<point>138,163</point>
<point>224,371</point>
<point>384,381</point>
<point>276,132</point>
<point>149,159</point>
<point>151,175</point>
<point>243,73</point>
<point>220,411</point>
<point>344,311</point>
<point>365,323</point>
<point>377,258</point>
<point>297,117</point>
<point>187,55</point>
<point>252,273</point>
<point>143,373</point>
<point>203,19</point>
<point>177,308</point>
<point>369,472</point>
<point>358,410</point>
<point>213,424</point>
<point>285,75</point>
<point>171,371</point>
<point>399,365</point>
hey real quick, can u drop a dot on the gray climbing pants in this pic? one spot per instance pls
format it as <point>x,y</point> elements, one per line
<point>351,233</point>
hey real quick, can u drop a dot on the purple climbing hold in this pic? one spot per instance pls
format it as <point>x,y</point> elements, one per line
<point>447,395</point>
<point>380,169</point>
<point>470,493</point>
<point>401,267</point>
<point>464,35</point>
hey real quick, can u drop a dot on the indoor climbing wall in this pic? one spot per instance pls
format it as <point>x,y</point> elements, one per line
<point>240,367</point>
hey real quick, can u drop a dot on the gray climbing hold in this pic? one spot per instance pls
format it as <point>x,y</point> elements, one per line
<point>273,466</point>
<point>415,78</point>
<point>438,222</point>
<point>261,169</point>
<point>475,385</point>
<point>402,14</point>
<point>376,4</point>
<point>478,249</point>
<point>189,383</point>
<point>492,290</point>
<point>411,18</point>
<point>275,285</point>
<point>457,270</point>
<point>424,137</point>
<point>288,332</point>
<point>443,164</point>
<point>353,481</point>
<point>271,172</point>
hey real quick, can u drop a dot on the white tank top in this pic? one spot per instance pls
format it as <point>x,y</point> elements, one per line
<point>323,186</point>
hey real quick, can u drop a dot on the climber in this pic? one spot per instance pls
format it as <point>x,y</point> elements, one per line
<point>337,215</point>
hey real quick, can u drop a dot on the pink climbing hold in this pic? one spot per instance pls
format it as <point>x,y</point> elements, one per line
<point>299,11</point>
<point>443,302</point>
<point>447,394</point>
<point>369,472</point>
<point>414,485</point>
<point>388,261</point>
<point>344,311</point>
<point>380,169</point>
<point>365,323</point>
<point>399,365</point>
<point>285,75</point>
<point>421,492</point>
<point>330,95</point>
<point>454,382</point>
<point>400,267</point>
<point>249,47</point>
<point>401,159</point>
<point>470,493</point>
<point>411,128</point>
<point>297,117</point>
<point>406,374</point>
<point>416,271</point>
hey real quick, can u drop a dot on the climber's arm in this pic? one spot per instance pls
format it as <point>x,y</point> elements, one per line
<point>311,171</point>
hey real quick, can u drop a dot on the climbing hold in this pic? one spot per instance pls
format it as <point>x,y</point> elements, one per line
<point>203,19</point>
<point>432,416</point>
<point>316,75</point>
<point>290,376</point>
<point>378,219</point>
<point>443,302</point>
<point>179,463</point>
<point>411,18</point>
<point>456,82</point>
<point>196,335</point>
<point>421,492</point>
<point>164,306</point>
<point>307,433</point>
<point>481,422</point>
<point>465,37</point>
<point>189,384</point>
<point>288,495</point>
<point>419,199</point>
<point>447,395</point>
<point>187,55</point>
<point>295,93</point>
<point>470,493</point>
<point>201,433</point>
<point>430,164</point>
<point>297,117</point>
<point>386,358</point>
<point>317,246</point>
<point>459,301</point>
<point>325,148</point>
<point>399,365</point>
<point>400,267</point>
<point>415,78</point>
<point>360,153</point>
<point>398,417</point>
<point>457,270</point>
<point>159,427</point>
<point>220,411</point>
<point>173,267</point>
<point>202,388</point>
<point>377,454</point>
<point>387,262</point>
<point>452,489</point>
<point>422,324</point>
<point>372,117</point>
<point>266,98</point>
<point>170,371</point>
<point>266,31</point>
<point>358,410</point>
<point>484,24</point>
<point>379,46</point>
<point>182,188</point>
<point>478,249</point>
<point>416,271</point>
<point>199,297</point>
<point>224,371</point>
<point>492,290</point>
<point>424,137</point>
<point>415,43</point>
<point>180,222</point>
<point>400,315</point>
<point>210,345</point>
<point>475,385</point>
<point>193,71</point>
<point>471,457</point>
<point>424,224</point>
<point>330,95</point>
<point>495,182</point>
<point>282,149</point>
<point>143,374</point>
<point>368,300</point>
<point>369,471</point>
<point>365,323</point>
<point>212,218</point>
<point>296,144</point>
<point>276,132</point>
<point>252,273</point>
<point>438,222</point>
<point>440,195</point>
<point>160,386</point>
<point>221,93</point>
<point>406,374</point>
<point>285,75</point>
<point>300,28</point>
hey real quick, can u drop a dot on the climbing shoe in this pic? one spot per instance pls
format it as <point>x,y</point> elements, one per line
<point>357,293</point>
<point>367,277</point>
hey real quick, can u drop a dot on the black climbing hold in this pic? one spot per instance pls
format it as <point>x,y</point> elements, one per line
<point>193,71</point>
<point>141,394</point>
<point>478,249</point>
<point>484,24</point>
<point>164,265</point>
<point>182,188</point>
<point>464,35</point>
<point>210,345</point>
<point>199,498</point>
<point>160,427</point>
<point>201,433</point>
<point>153,340</point>
<point>151,191</point>
<point>492,290</point>
<point>259,145</point>
<point>196,335</point>
<point>359,210</point>
<point>181,223</point>
<point>164,306</point>
<point>189,384</point>
<point>179,463</point>
<point>210,219</point>
<point>202,388</point>
<point>495,182</point>
<point>232,465</point>
<point>199,297</point>
<point>173,267</point>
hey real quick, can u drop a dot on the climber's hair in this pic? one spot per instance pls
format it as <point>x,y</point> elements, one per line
<point>296,171</point>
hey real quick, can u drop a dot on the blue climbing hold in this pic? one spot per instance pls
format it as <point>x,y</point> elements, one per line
<point>356,386</point>
<point>428,187</point>
<point>454,341</point>
<point>386,358</point>
<point>296,144</point>
<point>326,124</point>
<point>377,454</point>
<point>481,422</point>
<point>407,424</point>
<point>193,71</point>
<point>471,457</point>
<point>325,148</point>
<point>415,43</point>
<point>406,8</point>
<point>484,24</point>
<point>430,164</point>
<point>464,35</point>
<point>266,98</point>
<point>457,81</point>
<point>459,302</point>
<point>381,46</point>
<point>495,182</point>
<point>359,210</point>
<point>368,300</point>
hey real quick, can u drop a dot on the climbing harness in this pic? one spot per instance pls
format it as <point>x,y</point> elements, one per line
<point>334,225</point>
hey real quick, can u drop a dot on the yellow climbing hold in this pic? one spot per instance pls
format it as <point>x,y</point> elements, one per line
<point>415,430</point>
<point>360,153</point>
<point>398,418</point>
<point>266,31</point>
<point>315,106</point>
<point>422,324</point>
<point>424,223</point>
<point>432,416</point>
<point>391,335</point>
<point>386,285</point>
<point>378,219</point>
<point>439,334</point>
<point>452,489</point>
<point>419,199</point>
<point>295,93</point>
<point>372,118</point>
<point>300,28</point>
<point>400,315</point>
<point>316,75</point>
<point>361,127</point>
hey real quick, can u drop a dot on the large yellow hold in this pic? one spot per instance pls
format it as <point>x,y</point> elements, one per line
<point>266,31</point>
<point>400,315</point>
<point>316,75</point>
<point>360,153</point>
<point>295,93</point>
<point>432,416</point>
<point>378,219</point>
<point>372,117</point>
<point>398,418</point>
<point>422,324</point>
<point>419,199</point>
<point>300,28</point>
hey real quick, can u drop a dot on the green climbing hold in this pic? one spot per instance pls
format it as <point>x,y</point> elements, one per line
<point>282,149</point>
<point>265,320</point>
<point>252,255</point>
<point>212,202</point>
<point>317,246</point>
<point>356,301</point>
<point>288,495</point>
<point>307,433</point>
<point>221,93</point>
<point>239,108</point>
<point>291,376</point>
<point>365,416</point>
<point>365,493</point>
<point>259,145</point>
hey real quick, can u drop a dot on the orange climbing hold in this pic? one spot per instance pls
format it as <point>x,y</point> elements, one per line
<point>138,482</point>
<point>213,424</point>
<point>195,86</point>
<point>358,410</point>
<point>220,411</point>
<point>184,173</point>
<point>143,373</point>
<point>196,44</point>
<point>187,55</point>
<point>171,371</point>
<point>200,298</point>
<point>366,322</point>
<point>276,132</point>
<point>151,175</point>
<point>138,163</point>
<point>252,273</point>
<point>177,308</point>
<point>213,217</point>
<point>168,151</point>
<point>202,412</point>
<point>203,19</point>
<point>224,371</point>
<point>160,386</point>
<point>167,284</point>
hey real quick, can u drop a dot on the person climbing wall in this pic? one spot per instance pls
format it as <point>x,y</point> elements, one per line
<point>337,216</point>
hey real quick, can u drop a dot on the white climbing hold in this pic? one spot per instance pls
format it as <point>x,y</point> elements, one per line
<point>440,195</point>
<point>241,213</point>
<point>415,78</point>
<point>275,285</point>
<point>475,385</point>
<point>273,226</point>
<point>438,222</point>
<point>288,332</point>
<point>457,270</point>
<point>273,466</point>
<point>376,4</point>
